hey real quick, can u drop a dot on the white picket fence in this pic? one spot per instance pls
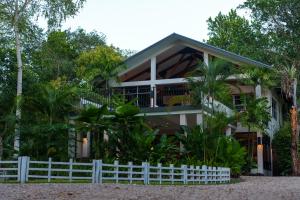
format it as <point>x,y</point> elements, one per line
<point>24,170</point>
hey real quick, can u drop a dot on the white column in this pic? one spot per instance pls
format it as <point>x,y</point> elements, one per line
<point>260,158</point>
<point>228,131</point>
<point>153,79</point>
<point>205,58</point>
<point>183,122</point>
<point>199,119</point>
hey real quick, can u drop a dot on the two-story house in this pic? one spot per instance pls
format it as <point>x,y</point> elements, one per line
<point>158,73</point>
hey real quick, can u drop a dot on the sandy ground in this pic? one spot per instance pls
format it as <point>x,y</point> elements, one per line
<point>255,188</point>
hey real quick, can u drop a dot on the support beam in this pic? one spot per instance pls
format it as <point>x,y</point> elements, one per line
<point>228,131</point>
<point>199,119</point>
<point>205,57</point>
<point>152,82</point>
<point>183,122</point>
<point>260,158</point>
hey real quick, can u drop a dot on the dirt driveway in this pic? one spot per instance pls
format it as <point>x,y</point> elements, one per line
<point>256,188</point>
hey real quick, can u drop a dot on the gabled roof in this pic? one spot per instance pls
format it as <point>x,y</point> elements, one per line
<point>176,38</point>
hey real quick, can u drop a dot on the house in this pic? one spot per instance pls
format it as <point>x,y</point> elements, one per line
<point>158,73</point>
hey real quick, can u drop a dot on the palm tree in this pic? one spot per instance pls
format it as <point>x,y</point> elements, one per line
<point>211,84</point>
<point>50,109</point>
<point>289,77</point>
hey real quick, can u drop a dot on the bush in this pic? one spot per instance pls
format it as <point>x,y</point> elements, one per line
<point>282,149</point>
<point>213,149</point>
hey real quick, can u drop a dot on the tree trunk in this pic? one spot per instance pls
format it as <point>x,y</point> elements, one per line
<point>294,142</point>
<point>19,80</point>
<point>295,133</point>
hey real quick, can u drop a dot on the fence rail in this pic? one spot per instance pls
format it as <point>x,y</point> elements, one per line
<point>24,170</point>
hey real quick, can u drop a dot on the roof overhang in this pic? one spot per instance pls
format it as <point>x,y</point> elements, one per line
<point>176,39</point>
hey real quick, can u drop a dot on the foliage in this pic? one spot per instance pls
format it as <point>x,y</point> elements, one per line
<point>130,139</point>
<point>256,114</point>
<point>236,34</point>
<point>211,86</point>
<point>102,62</point>
<point>46,120</point>
<point>203,147</point>
<point>282,148</point>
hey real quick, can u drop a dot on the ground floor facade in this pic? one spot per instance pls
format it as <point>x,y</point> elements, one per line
<point>169,122</point>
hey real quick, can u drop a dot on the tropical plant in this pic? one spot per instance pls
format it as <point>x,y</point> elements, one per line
<point>102,63</point>
<point>47,120</point>
<point>203,147</point>
<point>211,84</point>
<point>95,120</point>
<point>19,18</point>
<point>282,148</point>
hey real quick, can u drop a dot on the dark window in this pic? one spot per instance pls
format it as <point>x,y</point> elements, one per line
<point>238,102</point>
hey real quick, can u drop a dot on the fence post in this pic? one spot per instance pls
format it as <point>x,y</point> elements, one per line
<point>27,171</point>
<point>49,169</point>
<point>23,167</point>
<point>130,172</point>
<point>99,171</point>
<point>221,170</point>
<point>229,174</point>
<point>145,172</point>
<point>19,168</point>
<point>70,169</point>
<point>204,169</point>
<point>184,172</point>
<point>209,174</point>
<point>94,171</point>
<point>197,174</point>
<point>116,165</point>
<point>172,173</point>
<point>159,172</point>
<point>192,173</point>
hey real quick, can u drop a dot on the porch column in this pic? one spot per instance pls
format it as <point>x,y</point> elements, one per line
<point>153,79</point>
<point>228,131</point>
<point>199,119</point>
<point>260,158</point>
<point>183,122</point>
<point>205,58</point>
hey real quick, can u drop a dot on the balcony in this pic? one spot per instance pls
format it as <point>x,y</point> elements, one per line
<point>149,98</point>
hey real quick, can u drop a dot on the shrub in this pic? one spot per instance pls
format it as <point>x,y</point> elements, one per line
<point>282,149</point>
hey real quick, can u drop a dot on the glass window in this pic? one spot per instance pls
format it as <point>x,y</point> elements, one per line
<point>238,102</point>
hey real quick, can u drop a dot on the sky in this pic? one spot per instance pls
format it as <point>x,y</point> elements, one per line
<point>136,24</point>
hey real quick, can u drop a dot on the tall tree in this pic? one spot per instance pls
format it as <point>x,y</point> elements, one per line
<point>103,62</point>
<point>275,33</point>
<point>280,22</point>
<point>19,17</point>
<point>237,34</point>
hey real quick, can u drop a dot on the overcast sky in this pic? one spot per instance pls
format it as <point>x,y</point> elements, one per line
<point>136,24</point>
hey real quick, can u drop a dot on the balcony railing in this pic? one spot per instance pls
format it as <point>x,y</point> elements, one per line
<point>147,97</point>
<point>141,96</point>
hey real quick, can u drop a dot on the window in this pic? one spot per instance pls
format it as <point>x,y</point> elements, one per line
<point>238,102</point>
<point>274,109</point>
